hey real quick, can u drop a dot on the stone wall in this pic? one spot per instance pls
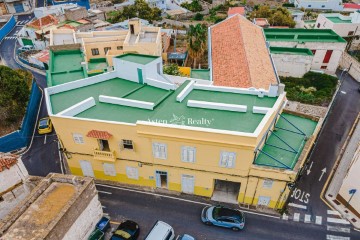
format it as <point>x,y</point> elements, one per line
<point>76,14</point>
<point>347,62</point>
<point>65,47</point>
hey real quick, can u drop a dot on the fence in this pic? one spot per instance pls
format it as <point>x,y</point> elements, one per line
<point>21,138</point>
<point>7,27</point>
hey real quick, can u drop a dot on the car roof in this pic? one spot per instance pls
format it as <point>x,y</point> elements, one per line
<point>228,212</point>
<point>160,229</point>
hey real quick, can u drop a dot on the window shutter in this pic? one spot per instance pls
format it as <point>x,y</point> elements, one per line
<point>230,162</point>
<point>191,155</point>
<point>184,154</point>
<point>156,150</point>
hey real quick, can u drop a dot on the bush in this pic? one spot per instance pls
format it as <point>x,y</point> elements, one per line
<point>194,6</point>
<point>171,69</point>
<point>198,17</point>
<point>312,88</point>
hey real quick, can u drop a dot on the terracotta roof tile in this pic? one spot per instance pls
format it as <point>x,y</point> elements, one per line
<point>236,10</point>
<point>43,22</point>
<point>7,160</point>
<point>352,5</point>
<point>99,134</point>
<point>239,54</point>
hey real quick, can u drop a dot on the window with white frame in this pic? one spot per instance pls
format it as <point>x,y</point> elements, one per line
<point>78,138</point>
<point>188,154</point>
<point>109,169</point>
<point>268,183</point>
<point>227,159</point>
<point>132,172</point>
<point>160,150</point>
<point>127,144</point>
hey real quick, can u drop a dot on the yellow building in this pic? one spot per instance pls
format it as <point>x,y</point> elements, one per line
<point>134,126</point>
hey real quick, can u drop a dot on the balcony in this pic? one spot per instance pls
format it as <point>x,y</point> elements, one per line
<point>107,156</point>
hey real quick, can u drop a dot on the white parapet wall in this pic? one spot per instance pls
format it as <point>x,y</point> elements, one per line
<point>217,106</point>
<point>78,108</point>
<point>160,84</point>
<point>185,92</point>
<point>251,91</point>
<point>261,110</point>
<point>127,102</point>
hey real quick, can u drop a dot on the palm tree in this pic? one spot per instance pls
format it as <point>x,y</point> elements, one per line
<point>197,41</point>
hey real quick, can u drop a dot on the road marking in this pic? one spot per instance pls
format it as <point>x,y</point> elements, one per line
<point>307,218</point>
<point>181,199</point>
<point>322,174</point>
<point>309,169</point>
<point>343,92</point>
<point>332,237</point>
<point>296,217</point>
<point>318,220</point>
<point>331,212</point>
<point>338,229</point>
<point>337,220</point>
<point>297,205</point>
<point>105,192</point>
<point>285,217</point>
<point>45,139</point>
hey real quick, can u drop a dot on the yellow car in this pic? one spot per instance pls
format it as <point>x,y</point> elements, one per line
<point>45,126</point>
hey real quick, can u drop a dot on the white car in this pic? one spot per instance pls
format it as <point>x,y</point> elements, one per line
<point>161,231</point>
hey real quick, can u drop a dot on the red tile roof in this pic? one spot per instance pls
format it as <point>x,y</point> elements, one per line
<point>352,5</point>
<point>236,10</point>
<point>239,55</point>
<point>99,134</point>
<point>6,161</point>
<point>43,22</point>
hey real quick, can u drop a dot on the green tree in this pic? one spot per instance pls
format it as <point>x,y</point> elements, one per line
<point>198,17</point>
<point>196,41</point>
<point>194,6</point>
<point>14,94</point>
<point>172,69</point>
<point>276,17</point>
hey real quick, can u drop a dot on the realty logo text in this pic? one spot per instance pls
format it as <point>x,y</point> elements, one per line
<point>181,120</point>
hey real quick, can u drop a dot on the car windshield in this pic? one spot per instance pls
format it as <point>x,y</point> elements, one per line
<point>219,212</point>
<point>43,123</point>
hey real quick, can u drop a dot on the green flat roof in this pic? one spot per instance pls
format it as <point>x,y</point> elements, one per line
<point>200,74</point>
<point>167,109</point>
<point>65,66</point>
<point>302,35</point>
<point>295,51</point>
<point>137,58</point>
<point>338,20</point>
<point>280,153</point>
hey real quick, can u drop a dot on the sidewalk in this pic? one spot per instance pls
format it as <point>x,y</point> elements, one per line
<point>339,173</point>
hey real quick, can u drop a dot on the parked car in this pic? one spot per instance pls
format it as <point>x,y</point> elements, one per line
<point>127,230</point>
<point>45,126</point>
<point>223,217</point>
<point>161,231</point>
<point>185,237</point>
<point>25,48</point>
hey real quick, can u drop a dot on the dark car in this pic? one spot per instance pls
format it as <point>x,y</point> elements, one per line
<point>223,217</point>
<point>127,230</point>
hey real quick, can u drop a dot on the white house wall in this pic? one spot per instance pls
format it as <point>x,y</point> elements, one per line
<point>290,65</point>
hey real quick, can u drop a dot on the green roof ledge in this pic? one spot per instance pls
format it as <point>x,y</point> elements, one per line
<point>294,51</point>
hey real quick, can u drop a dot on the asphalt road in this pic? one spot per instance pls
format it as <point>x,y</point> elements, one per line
<point>43,155</point>
<point>335,130</point>
<point>184,217</point>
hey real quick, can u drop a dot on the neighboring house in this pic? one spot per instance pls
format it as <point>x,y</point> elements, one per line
<point>261,22</point>
<point>236,10</point>
<point>96,14</point>
<point>297,15</point>
<point>67,205</point>
<point>81,3</point>
<point>179,2</point>
<point>103,45</point>
<point>351,7</point>
<point>335,5</point>
<point>56,10</point>
<point>292,62</point>
<point>135,126</point>
<point>347,27</point>
<point>325,44</point>
<point>161,4</point>
<point>15,6</point>
<point>238,55</point>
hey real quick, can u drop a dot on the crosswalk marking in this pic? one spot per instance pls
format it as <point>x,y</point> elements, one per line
<point>22,22</point>
<point>11,37</point>
<point>331,212</point>
<point>296,217</point>
<point>338,229</point>
<point>337,220</point>
<point>297,205</point>
<point>318,220</point>
<point>332,237</point>
<point>307,218</point>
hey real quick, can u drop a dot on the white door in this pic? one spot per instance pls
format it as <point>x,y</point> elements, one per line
<point>86,168</point>
<point>264,200</point>
<point>161,179</point>
<point>187,184</point>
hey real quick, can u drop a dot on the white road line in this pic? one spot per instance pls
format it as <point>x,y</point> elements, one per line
<point>337,220</point>
<point>45,139</point>
<point>343,92</point>
<point>332,237</point>
<point>103,207</point>
<point>285,217</point>
<point>105,192</point>
<point>338,229</point>
<point>296,217</point>
<point>331,212</point>
<point>297,205</point>
<point>180,199</point>
<point>318,220</point>
<point>307,218</point>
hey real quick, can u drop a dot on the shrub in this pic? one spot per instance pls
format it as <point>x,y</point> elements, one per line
<point>198,17</point>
